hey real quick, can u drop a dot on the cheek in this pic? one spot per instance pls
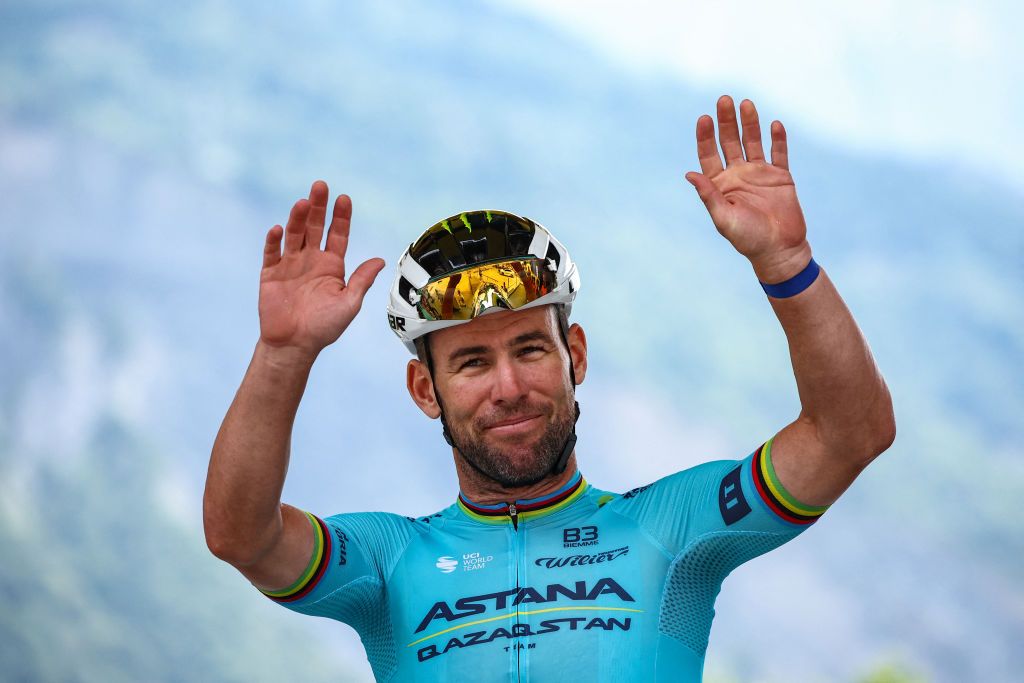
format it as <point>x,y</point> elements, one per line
<point>464,398</point>
<point>552,375</point>
<point>551,384</point>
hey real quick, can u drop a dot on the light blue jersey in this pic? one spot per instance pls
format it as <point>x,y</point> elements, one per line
<point>581,585</point>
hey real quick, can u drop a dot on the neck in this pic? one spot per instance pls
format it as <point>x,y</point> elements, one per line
<point>482,489</point>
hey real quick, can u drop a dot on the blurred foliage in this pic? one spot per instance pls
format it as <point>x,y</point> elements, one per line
<point>100,583</point>
<point>892,673</point>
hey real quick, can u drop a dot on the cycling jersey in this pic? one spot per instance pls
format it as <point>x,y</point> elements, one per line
<point>584,583</point>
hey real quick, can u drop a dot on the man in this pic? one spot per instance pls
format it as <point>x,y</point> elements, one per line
<point>533,574</point>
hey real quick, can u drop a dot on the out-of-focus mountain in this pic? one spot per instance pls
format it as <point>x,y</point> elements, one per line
<point>145,151</point>
<point>105,576</point>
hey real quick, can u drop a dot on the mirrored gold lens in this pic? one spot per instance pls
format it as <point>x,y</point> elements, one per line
<point>467,293</point>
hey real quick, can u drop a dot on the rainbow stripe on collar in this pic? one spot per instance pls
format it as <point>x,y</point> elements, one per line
<point>531,508</point>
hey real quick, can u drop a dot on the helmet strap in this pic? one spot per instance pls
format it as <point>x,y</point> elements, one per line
<point>570,443</point>
<point>445,432</point>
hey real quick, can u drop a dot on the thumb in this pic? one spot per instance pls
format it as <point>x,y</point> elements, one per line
<point>708,192</point>
<point>364,276</point>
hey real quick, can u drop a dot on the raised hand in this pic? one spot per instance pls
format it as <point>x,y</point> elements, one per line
<point>752,201</point>
<point>305,302</point>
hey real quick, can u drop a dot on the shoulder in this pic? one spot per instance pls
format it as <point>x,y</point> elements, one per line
<point>377,526</point>
<point>693,481</point>
<point>379,538</point>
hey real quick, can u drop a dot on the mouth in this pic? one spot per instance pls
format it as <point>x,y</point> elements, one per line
<point>514,425</point>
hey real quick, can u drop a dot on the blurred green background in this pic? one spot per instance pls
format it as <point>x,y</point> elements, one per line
<point>144,152</point>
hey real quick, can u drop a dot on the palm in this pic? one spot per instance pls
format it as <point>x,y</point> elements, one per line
<point>304,299</point>
<point>752,201</point>
<point>761,209</point>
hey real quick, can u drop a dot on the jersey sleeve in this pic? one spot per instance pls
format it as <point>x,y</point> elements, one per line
<point>738,499</point>
<point>711,519</point>
<point>352,556</point>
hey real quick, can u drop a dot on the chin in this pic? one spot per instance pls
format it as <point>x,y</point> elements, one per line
<point>533,467</point>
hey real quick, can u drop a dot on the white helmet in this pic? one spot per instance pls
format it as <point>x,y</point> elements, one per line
<point>475,262</point>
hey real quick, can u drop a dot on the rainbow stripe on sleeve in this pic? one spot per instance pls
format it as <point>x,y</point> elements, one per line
<point>775,496</point>
<point>314,571</point>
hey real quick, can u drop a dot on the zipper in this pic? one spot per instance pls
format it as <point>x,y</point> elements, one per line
<point>513,515</point>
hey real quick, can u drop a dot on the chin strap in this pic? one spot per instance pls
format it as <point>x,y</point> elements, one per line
<point>444,424</point>
<point>570,444</point>
<point>445,432</point>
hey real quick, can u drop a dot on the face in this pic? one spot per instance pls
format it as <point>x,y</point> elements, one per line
<point>505,387</point>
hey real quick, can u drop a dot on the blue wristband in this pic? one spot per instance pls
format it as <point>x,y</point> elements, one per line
<point>795,284</point>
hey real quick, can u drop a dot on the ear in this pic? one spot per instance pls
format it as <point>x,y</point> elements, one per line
<point>421,388</point>
<point>578,351</point>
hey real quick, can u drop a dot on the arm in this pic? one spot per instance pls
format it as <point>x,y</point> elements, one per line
<point>846,417</point>
<point>305,305</point>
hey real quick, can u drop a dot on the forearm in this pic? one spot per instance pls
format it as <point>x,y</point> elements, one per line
<point>842,393</point>
<point>242,502</point>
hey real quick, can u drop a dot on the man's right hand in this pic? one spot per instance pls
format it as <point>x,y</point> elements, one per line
<point>305,303</point>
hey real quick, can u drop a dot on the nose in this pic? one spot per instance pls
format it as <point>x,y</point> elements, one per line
<point>509,385</point>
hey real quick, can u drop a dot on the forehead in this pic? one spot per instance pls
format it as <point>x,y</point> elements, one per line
<point>493,329</point>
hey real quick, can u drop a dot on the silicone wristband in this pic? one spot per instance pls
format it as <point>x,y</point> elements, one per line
<point>795,284</point>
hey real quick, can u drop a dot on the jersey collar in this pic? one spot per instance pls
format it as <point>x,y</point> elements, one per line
<point>530,508</point>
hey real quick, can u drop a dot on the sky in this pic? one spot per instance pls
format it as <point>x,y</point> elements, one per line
<point>937,81</point>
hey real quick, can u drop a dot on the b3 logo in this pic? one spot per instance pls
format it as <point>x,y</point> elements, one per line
<point>576,537</point>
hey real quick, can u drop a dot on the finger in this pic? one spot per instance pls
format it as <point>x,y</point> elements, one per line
<point>728,131</point>
<point>295,231</point>
<point>272,247</point>
<point>317,212</point>
<point>780,150</point>
<point>751,131</point>
<point>709,193</point>
<point>337,235</point>
<point>364,276</point>
<point>707,150</point>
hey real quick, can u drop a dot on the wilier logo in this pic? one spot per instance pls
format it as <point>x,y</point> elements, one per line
<point>582,559</point>
<point>447,564</point>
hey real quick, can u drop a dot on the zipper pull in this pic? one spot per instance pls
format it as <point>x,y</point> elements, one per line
<point>514,515</point>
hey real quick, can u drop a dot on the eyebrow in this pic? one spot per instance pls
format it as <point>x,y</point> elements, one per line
<point>536,335</point>
<point>466,351</point>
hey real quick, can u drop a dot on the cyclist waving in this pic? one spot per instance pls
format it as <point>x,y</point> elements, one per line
<point>533,573</point>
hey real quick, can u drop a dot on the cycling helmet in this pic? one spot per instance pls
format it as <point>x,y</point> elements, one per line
<point>473,263</point>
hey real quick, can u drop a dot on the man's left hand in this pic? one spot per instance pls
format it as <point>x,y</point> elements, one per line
<point>752,201</point>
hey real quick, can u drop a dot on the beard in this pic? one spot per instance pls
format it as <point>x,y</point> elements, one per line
<point>516,465</point>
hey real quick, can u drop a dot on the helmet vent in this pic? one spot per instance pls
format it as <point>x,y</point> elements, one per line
<point>404,287</point>
<point>553,254</point>
<point>518,235</point>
